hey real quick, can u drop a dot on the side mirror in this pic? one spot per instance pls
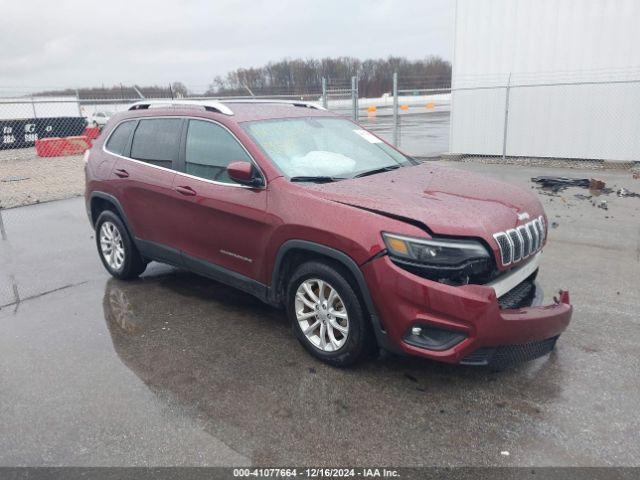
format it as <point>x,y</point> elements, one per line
<point>244,173</point>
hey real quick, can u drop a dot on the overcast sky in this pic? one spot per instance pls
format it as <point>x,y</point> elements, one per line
<point>95,42</point>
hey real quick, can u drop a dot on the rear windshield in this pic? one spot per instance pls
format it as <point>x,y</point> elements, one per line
<point>318,146</point>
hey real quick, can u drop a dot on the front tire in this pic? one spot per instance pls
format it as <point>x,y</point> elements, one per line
<point>116,249</point>
<point>327,316</point>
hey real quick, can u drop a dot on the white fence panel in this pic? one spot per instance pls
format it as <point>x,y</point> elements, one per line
<point>575,121</point>
<point>477,121</point>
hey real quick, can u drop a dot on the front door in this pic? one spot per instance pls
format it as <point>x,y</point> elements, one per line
<point>223,224</point>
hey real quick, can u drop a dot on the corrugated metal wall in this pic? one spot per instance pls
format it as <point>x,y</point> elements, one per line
<point>573,67</point>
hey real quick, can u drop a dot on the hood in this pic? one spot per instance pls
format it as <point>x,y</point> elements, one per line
<point>446,200</point>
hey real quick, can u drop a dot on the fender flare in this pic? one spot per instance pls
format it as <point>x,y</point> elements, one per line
<point>113,200</point>
<point>347,262</point>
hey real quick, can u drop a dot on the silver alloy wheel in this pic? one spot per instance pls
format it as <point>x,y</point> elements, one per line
<point>111,245</point>
<point>322,315</point>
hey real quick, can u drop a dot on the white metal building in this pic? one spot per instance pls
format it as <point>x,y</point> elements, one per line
<point>572,68</point>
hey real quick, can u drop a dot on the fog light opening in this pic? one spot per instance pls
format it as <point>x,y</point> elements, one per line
<point>433,338</point>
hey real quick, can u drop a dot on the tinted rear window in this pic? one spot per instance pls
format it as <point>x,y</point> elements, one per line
<point>119,138</point>
<point>157,141</point>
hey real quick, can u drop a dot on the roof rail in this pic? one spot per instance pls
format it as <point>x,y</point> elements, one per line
<point>210,105</point>
<point>295,103</point>
<point>217,105</point>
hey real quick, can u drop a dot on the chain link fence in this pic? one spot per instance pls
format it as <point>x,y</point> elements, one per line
<point>28,119</point>
<point>44,132</point>
<point>570,120</point>
<point>502,116</point>
<point>413,114</point>
<point>338,96</point>
<point>586,118</point>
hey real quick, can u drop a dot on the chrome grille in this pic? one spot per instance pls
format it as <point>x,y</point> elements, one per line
<point>542,229</point>
<point>505,247</point>
<point>526,241</point>
<point>535,238</point>
<point>521,242</point>
<point>516,245</point>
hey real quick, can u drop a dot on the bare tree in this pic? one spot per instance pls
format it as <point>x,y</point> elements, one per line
<point>304,76</point>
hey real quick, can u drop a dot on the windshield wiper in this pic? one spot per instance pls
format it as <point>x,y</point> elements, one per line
<point>316,178</point>
<point>377,170</point>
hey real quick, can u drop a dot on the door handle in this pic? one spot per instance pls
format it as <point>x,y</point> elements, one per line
<point>121,172</point>
<point>186,191</point>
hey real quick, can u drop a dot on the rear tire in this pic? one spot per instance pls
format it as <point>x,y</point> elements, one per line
<point>117,251</point>
<point>327,316</point>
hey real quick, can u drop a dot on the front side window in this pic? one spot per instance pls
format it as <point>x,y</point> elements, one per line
<point>157,141</point>
<point>318,146</point>
<point>210,148</point>
<point>118,140</point>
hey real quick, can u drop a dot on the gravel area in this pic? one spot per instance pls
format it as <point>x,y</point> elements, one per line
<point>26,179</point>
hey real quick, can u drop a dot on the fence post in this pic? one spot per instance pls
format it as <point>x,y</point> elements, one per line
<point>506,119</point>
<point>3,232</point>
<point>33,107</point>
<point>395,109</point>
<point>78,101</point>
<point>354,97</point>
<point>324,93</point>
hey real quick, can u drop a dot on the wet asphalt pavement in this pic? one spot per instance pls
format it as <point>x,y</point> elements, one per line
<point>174,369</point>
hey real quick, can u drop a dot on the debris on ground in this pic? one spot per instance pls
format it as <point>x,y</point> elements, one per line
<point>554,224</point>
<point>636,176</point>
<point>623,192</point>
<point>13,179</point>
<point>551,185</point>
<point>558,184</point>
<point>543,191</point>
<point>582,196</point>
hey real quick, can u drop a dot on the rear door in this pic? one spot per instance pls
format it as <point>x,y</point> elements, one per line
<point>144,177</point>
<point>224,224</point>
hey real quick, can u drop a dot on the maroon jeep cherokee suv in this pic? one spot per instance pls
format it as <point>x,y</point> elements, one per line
<point>363,246</point>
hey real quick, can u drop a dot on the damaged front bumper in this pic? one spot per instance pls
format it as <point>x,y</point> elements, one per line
<point>464,324</point>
